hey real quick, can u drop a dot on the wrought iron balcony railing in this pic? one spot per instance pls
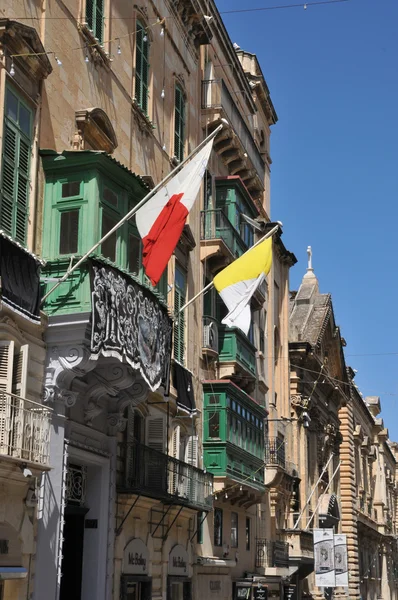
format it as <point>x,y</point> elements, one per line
<point>275,453</point>
<point>24,429</point>
<point>210,333</point>
<point>271,553</point>
<point>154,474</point>
<point>215,95</point>
<point>215,225</point>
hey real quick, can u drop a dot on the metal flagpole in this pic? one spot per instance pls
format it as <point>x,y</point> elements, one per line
<point>312,492</point>
<point>133,211</point>
<point>210,285</point>
<point>322,495</point>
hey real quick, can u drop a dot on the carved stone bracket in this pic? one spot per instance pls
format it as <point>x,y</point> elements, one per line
<point>52,394</point>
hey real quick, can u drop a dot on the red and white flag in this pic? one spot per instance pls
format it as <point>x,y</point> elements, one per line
<point>161,220</point>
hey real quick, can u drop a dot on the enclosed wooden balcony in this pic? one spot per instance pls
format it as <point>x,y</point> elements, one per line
<point>237,356</point>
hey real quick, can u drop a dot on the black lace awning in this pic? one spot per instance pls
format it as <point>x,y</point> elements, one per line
<point>184,386</point>
<point>129,323</point>
<point>20,279</point>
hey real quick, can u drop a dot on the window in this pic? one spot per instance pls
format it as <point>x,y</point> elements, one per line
<point>179,324</point>
<point>248,533</point>
<point>179,123</point>
<point>214,425</point>
<point>141,67</point>
<point>69,232</point>
<point>234,530</point>
<point>16,165</point>
<point>218,526</point>
<point>95,18</point>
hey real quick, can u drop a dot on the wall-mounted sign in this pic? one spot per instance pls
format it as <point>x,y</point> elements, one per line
<point>136,558</point>
<point>324,557</point>
<point>260,593</point>
<point>340,559</point>
<point>178,561</point>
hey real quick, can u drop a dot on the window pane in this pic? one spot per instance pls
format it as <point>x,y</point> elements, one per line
<point>71,188</point>
<point>218,527</point>
<point>24,119</point>
<point>110,197</point>
<point>214,425</point>
<point>108,248</point>
<point>12,106</point>
<point>234,530</point>
<point>134,255</point>
<point>69,232</point>
<point>247,533</point>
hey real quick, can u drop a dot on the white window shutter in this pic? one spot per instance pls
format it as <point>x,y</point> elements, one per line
<point>191,450</point>
<point>6,370</point>
<point>176,442</point>
<point>155,433</point>
<point>20,372</point>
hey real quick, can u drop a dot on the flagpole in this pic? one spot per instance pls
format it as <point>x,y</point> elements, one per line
<point>322,495</point>
<point>133,211</point>
<point>210,285</point>
<point>313,491</point>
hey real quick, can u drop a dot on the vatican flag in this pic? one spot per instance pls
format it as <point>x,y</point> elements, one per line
<point>237,283</point>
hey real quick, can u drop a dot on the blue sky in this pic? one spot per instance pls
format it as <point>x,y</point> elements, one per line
<point>332,71</point>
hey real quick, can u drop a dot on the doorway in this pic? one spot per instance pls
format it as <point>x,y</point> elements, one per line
<point>72,551</point>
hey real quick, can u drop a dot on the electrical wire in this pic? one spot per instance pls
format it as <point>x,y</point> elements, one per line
<point>304,5</point>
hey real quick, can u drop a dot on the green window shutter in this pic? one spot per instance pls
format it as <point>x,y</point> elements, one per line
<point>141,68</point>
<point>90,9</point>
<point>17,146</point>
<point>95,18</point>
<point>9,179</point>
<point>179,323</point>
<point>179,123</point>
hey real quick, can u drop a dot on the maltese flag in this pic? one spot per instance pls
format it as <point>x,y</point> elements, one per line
<point>161,220</point>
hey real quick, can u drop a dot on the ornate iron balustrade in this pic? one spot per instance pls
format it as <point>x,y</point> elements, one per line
<point>272,553</point>
<point>215,95</point>
<point>215,225</point>
<point>154,474</point>
<point>210,333</point>
<point>24,429</point>
<point>275,453</point>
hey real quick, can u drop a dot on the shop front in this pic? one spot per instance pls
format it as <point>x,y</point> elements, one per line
<point>250,589</point>
<point>136,582</point>
<point>179,581</point>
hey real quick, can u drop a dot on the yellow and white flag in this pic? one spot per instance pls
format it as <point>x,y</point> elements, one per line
<point>237,283</point>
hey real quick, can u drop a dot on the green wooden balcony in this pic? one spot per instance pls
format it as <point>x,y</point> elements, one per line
<point>237,354</point>
<point>233,442</point>
<point>215,227</point>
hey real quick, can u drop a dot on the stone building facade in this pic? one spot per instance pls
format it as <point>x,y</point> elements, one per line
<point>108,103</point>
<point>347,475</point>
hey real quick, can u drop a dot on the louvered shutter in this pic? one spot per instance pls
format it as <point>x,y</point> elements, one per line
<point>175,479</point>
<point>6,370</point>
<point>23,422</point>
<point>90,6</point>
<point>155,433</point>
<point>176,442</point>
<point>179,323</point>
<point>191,450</point>
<point>141,68</point>
<point>156,465</point>
<point>22,195</point>
<point>9,179</point>
<point>20,372</point>
<point>99,20</point>
<point>192,485</point>
<point>179,118</point>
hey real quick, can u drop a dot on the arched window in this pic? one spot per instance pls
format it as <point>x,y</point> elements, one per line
<point>141,67</point>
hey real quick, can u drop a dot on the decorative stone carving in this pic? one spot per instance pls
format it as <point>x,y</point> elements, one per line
<point>115,423</point>
<point>52,393</point>
<point>130,324</point>
<point>92,411</point>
